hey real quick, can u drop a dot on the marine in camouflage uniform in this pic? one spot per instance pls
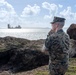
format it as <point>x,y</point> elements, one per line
<point>57,45</point>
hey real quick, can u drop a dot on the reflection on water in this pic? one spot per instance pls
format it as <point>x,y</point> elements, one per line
<point>23,30</point>
<point>31,34</point>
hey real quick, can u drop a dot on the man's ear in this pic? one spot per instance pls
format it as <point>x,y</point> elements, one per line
<point>57,25</point>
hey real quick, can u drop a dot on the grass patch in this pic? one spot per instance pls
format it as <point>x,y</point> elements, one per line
<point>2,49</point>
<point>71,69</point>
<point>42,73</point>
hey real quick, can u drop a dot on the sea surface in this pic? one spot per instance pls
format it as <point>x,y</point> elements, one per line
<point>29,33</point>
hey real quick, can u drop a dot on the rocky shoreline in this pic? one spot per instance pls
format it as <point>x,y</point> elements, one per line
<point>18,54</point>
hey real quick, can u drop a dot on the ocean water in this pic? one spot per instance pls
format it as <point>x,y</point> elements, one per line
<point>31,34</point>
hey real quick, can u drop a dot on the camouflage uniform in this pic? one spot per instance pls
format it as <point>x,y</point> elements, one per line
<point>50,32</point>
<point>58,46</point>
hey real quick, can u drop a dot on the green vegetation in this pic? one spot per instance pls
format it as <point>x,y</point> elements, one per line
<point>71,69</point>
<point>42,73</point>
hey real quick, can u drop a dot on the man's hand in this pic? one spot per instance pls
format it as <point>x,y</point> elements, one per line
<point>44,50</point>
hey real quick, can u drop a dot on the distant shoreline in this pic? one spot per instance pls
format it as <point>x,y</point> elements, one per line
<point>32,28</point>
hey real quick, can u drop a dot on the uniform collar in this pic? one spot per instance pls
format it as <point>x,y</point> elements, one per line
<point>61,30</point>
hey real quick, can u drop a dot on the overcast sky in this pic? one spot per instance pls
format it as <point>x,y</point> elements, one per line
<point>36,13</point>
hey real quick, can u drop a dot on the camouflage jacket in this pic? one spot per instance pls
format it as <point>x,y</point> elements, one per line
<point>58,46</point>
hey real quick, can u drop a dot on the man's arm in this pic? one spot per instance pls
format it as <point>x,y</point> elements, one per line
<point>47,46</point>
<point>48,42</point>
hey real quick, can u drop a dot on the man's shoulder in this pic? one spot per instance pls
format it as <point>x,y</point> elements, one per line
<point>58,36</point>
<point>54,35</point>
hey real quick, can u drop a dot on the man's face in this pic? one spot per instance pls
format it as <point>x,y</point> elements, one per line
<point>54,26</point>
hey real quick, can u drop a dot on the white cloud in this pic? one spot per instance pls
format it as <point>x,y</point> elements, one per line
<point>7,12</point>
<point>9,15</point>
<point>30,10</point>
<point>67,13</point>
<point>60,5</point>
<point>53,9</point>
<point>46,5</point>
<point>48,16</point>
<point>2,2</point>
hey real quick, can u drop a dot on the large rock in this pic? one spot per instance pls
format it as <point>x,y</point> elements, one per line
<point>18,54</point>
<point>8,41</point>
<point>72,50</point>
<point>72,31</point>
<point>17,59</point>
